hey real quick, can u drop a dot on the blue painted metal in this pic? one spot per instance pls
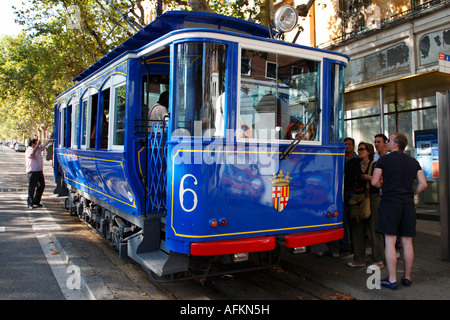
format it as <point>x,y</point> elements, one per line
<point>168,22</point>
<point>232,184</point>
<point>242,194</point>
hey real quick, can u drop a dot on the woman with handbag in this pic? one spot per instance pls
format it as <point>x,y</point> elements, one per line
<point>362,205</point>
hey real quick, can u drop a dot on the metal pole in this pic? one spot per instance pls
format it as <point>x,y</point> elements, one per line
<point>381,110</point>
<point>443,105</point>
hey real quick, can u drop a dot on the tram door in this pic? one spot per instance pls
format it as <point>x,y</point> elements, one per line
<point>156,90</point>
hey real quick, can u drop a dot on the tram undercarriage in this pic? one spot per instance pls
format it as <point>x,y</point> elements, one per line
<point>143,241</point>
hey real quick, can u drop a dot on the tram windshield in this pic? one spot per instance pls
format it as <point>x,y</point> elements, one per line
<point>279,97</point>
<point>200,82</point>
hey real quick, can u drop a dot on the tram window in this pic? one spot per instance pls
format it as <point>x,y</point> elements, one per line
<point>279,97</point>
<point>200,87</point>
<point>68,130</point>
<point>94,101</point>
<point>75,114</point>
<point>158,84</point>
<point>106,97</point>
<point>63,128</point>
<point>337,103</point>
<point>84,114</point>
<point>119,115</point>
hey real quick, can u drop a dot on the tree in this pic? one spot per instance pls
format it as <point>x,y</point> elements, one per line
<point>64,37</point>
<point>27,92</point>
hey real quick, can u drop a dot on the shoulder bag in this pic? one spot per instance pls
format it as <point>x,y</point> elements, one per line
<point>359,203</point>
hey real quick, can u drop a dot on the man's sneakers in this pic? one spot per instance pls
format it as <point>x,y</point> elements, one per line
<point>393,285</point>
<point>390,285</point>
<point>405,282</point>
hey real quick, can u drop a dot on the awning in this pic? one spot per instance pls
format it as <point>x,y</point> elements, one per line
<point>420,85</point>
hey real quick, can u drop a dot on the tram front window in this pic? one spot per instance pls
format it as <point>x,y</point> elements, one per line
<point>200,75</point>
<point>279,98</point>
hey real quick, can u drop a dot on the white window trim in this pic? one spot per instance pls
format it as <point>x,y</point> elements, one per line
<point>113,83</point>
<point>88,96</point>
<point>74,128</point>
<point>84,100</point>
<point>62,136</point>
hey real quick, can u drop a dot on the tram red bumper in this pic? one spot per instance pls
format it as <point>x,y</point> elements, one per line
<point>232,246</point>
<point>304,239</point>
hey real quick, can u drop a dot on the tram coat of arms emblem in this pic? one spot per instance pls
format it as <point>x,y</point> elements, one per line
<point>280,190</point>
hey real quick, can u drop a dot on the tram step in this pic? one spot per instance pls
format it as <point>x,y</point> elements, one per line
<point>160,262</point>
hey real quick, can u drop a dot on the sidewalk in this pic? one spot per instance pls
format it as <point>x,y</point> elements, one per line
<point>430,275</point>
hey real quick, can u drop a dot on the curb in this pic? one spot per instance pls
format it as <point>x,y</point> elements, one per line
<point>91,284</point>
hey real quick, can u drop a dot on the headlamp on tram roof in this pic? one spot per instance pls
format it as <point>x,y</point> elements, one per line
<point>286,18</point>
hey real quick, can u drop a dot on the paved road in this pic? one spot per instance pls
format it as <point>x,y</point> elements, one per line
<point>39,246</point>
<point>24,270</point>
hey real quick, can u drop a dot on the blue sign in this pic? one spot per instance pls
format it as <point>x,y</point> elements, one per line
<point>427,152</point>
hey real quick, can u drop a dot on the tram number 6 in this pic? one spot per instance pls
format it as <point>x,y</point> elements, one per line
<point>184,190</point>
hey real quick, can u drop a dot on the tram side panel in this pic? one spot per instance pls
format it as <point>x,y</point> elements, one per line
<point>102,176</point>
<point>225,201</point>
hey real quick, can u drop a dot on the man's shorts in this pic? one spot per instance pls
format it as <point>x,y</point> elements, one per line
<point>396,219</point>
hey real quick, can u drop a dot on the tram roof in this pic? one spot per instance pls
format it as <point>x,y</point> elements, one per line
<point>168,22</point>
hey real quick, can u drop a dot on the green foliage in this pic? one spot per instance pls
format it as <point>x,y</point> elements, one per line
<point>63,38</point>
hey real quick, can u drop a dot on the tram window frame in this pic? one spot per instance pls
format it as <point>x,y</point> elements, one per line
<point>249,75</point>
<point>204,122</point>
<point>92,118</point>
<point>63,123</point>
<point>83,123</point>
<point>337,105</point>
<point>113,82</point>
<point>88,97</point>
<point>105,106</point>
<point>68,130</point>
<point>74,108</point>
<point>114,119</point>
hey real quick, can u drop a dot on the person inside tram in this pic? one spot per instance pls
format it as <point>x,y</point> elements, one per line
<point>104,137</point>
<point>157,112</point>
<point>247,119</point>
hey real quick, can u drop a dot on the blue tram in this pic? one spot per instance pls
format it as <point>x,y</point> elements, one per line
<point>247,159</point>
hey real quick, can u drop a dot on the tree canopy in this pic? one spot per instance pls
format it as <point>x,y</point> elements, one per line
<point>64,37</point>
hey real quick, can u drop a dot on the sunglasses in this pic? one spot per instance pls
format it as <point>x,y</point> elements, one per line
<point>361,149</point>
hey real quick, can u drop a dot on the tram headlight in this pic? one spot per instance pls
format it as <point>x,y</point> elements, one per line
<point>286,18</point>
<point>239,257</point>
<point>299,250</point>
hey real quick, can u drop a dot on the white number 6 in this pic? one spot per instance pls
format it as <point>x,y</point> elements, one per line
<point>183,191</point>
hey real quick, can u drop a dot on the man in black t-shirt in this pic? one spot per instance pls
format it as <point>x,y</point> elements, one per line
<point>395,173</point>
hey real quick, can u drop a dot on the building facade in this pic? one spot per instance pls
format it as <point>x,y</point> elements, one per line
<point>398,52</point>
